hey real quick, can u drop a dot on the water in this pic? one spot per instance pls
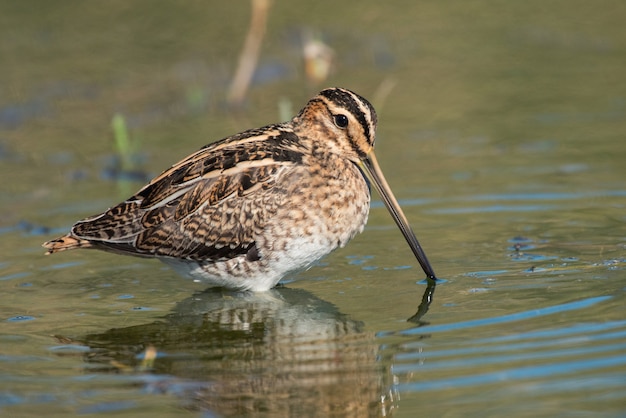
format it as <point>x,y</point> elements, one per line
<point>501,135</point>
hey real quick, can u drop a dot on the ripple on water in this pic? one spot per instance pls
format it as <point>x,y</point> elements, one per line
<point>18,275</point>
<point>520,316</point>
<point>69,349</point>
<point>534,364</point>
<point>20,318</point>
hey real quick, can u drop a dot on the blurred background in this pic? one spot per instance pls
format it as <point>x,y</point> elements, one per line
<point>501,131</point>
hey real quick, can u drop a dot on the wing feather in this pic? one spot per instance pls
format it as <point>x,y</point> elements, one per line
<point>209,206</point>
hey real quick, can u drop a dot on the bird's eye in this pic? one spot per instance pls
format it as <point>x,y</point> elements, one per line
<point>341,121</point>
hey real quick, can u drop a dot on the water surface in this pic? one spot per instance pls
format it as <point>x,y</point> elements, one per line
<point>500,130</point>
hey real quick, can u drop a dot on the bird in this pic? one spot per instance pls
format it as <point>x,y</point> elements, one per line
<point>246,211</point>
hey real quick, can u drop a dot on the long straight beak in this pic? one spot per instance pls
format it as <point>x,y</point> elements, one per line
<point>371,168</point>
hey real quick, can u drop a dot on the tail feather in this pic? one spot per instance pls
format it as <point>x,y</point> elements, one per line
<point>67,242</point>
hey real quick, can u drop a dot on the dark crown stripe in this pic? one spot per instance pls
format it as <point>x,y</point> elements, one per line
<point>362,110</point>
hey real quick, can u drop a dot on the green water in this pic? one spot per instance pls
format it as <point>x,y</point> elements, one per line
<point>501,131</point>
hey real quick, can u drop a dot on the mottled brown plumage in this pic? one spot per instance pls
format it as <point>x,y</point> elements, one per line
<point>247,210</point>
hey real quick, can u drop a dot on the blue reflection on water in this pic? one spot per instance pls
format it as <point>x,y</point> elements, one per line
<point>549,310</point>
<point>526,372</point>
<point>506,197</point>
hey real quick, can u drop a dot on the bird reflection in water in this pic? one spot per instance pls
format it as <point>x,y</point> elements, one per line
<point>278,353</point>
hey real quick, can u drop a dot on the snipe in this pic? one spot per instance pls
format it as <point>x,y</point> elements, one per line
<point>245,211</point>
